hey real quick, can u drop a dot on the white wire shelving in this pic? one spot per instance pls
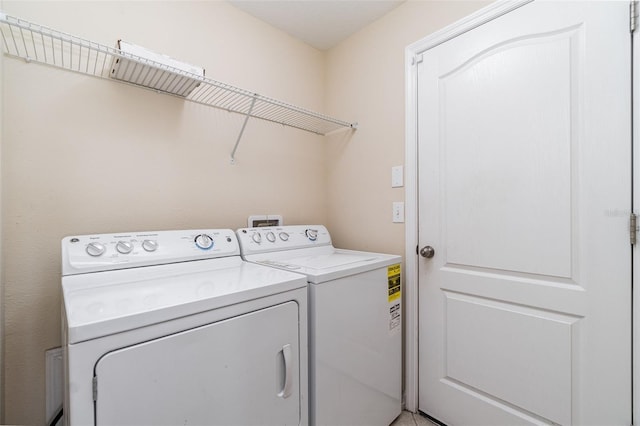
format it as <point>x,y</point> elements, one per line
<point>37,43</point>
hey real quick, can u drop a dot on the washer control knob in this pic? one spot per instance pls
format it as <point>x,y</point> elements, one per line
<point>204,242</point>
<point>256,237</point>
<point>96,249</point>
<point>312,234</point>
<point>271,237</point>
<point>124,247</point>
<point>284,236</point>
<point>150,245</point>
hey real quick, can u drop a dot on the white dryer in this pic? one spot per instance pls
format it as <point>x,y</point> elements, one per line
<point>173,328</point>
<point>355,339</point>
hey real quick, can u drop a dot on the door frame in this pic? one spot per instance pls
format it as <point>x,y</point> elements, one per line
<point>635,277</point>
<point>413,54</point>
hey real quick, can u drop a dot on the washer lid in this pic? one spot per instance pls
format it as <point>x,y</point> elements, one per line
<point>104,303</point>
<point>322,264</point>
<point>331,261</point>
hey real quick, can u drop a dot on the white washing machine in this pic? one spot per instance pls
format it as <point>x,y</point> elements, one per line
<point>174,328</point>
<point>355,339</point>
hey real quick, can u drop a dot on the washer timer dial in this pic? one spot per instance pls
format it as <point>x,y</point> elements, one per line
<point>312,234</point>
<point>204,242</point>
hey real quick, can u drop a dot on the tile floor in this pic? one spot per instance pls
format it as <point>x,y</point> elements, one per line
<point>407,418</point>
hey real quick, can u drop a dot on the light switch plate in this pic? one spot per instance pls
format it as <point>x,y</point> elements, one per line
<point>398,212</point>
<point>397,176</point>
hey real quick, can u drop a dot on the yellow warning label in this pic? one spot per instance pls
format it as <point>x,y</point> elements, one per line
<point>393,270</point>
<point>393,277</point>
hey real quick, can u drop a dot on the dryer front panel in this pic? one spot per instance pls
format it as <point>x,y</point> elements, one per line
<point>241,371</point>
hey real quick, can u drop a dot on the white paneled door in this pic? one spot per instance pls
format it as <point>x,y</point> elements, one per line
<point>524,184</point>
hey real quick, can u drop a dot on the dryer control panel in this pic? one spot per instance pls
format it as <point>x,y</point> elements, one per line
<point>101,252</point>
<point>278,238</point>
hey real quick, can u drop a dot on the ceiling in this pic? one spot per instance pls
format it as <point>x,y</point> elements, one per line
<point>319,23</point>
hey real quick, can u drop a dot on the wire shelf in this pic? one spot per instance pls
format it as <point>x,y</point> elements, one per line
<point>37,43</point>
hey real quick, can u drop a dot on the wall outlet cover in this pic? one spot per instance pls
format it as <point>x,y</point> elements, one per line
<point>397,176</point>
<point>398,212</point>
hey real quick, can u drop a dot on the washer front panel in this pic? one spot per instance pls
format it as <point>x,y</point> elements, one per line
<point>360,384</point>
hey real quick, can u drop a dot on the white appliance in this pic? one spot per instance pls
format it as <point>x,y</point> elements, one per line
<point>355,364</point>
<point>173,327</point>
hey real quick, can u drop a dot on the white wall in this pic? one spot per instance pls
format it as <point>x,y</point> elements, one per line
<point>84,155</point>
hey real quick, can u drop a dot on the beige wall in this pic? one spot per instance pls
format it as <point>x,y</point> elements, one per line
<point>366,83</point>
<point>82,155</point>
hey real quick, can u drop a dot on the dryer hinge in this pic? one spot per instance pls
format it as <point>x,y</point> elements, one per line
<point>95,388</point>
<point>633,228</point>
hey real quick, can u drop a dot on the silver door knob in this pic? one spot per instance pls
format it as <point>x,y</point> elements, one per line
<point>427,251</point>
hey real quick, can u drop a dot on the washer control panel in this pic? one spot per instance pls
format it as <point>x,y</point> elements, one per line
<point>99,252</point>
<point>266,239</point>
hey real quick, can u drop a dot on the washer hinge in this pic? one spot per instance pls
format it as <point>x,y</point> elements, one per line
<point>95,388</point>
<point>633,228</point>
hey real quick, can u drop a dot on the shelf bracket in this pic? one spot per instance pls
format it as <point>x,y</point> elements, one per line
<point>244,124</point>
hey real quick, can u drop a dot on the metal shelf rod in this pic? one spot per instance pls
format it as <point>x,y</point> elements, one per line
<point>244,124</point>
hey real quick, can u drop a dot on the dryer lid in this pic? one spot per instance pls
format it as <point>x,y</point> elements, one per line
<point>110,302</point>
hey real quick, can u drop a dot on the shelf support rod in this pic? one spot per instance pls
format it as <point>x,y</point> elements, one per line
<point>244,124</point>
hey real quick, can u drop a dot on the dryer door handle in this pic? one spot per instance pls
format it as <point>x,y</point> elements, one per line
<point>288,372</point>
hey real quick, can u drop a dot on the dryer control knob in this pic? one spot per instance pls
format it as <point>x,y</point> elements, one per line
<point>124,247</point>
<point>150,245</point>
<point>312,234</point>
<point>96,249</point>
<point>256,237</point>
<point>204,242</point>
<point>284,236</point>
<point>271,237</point>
